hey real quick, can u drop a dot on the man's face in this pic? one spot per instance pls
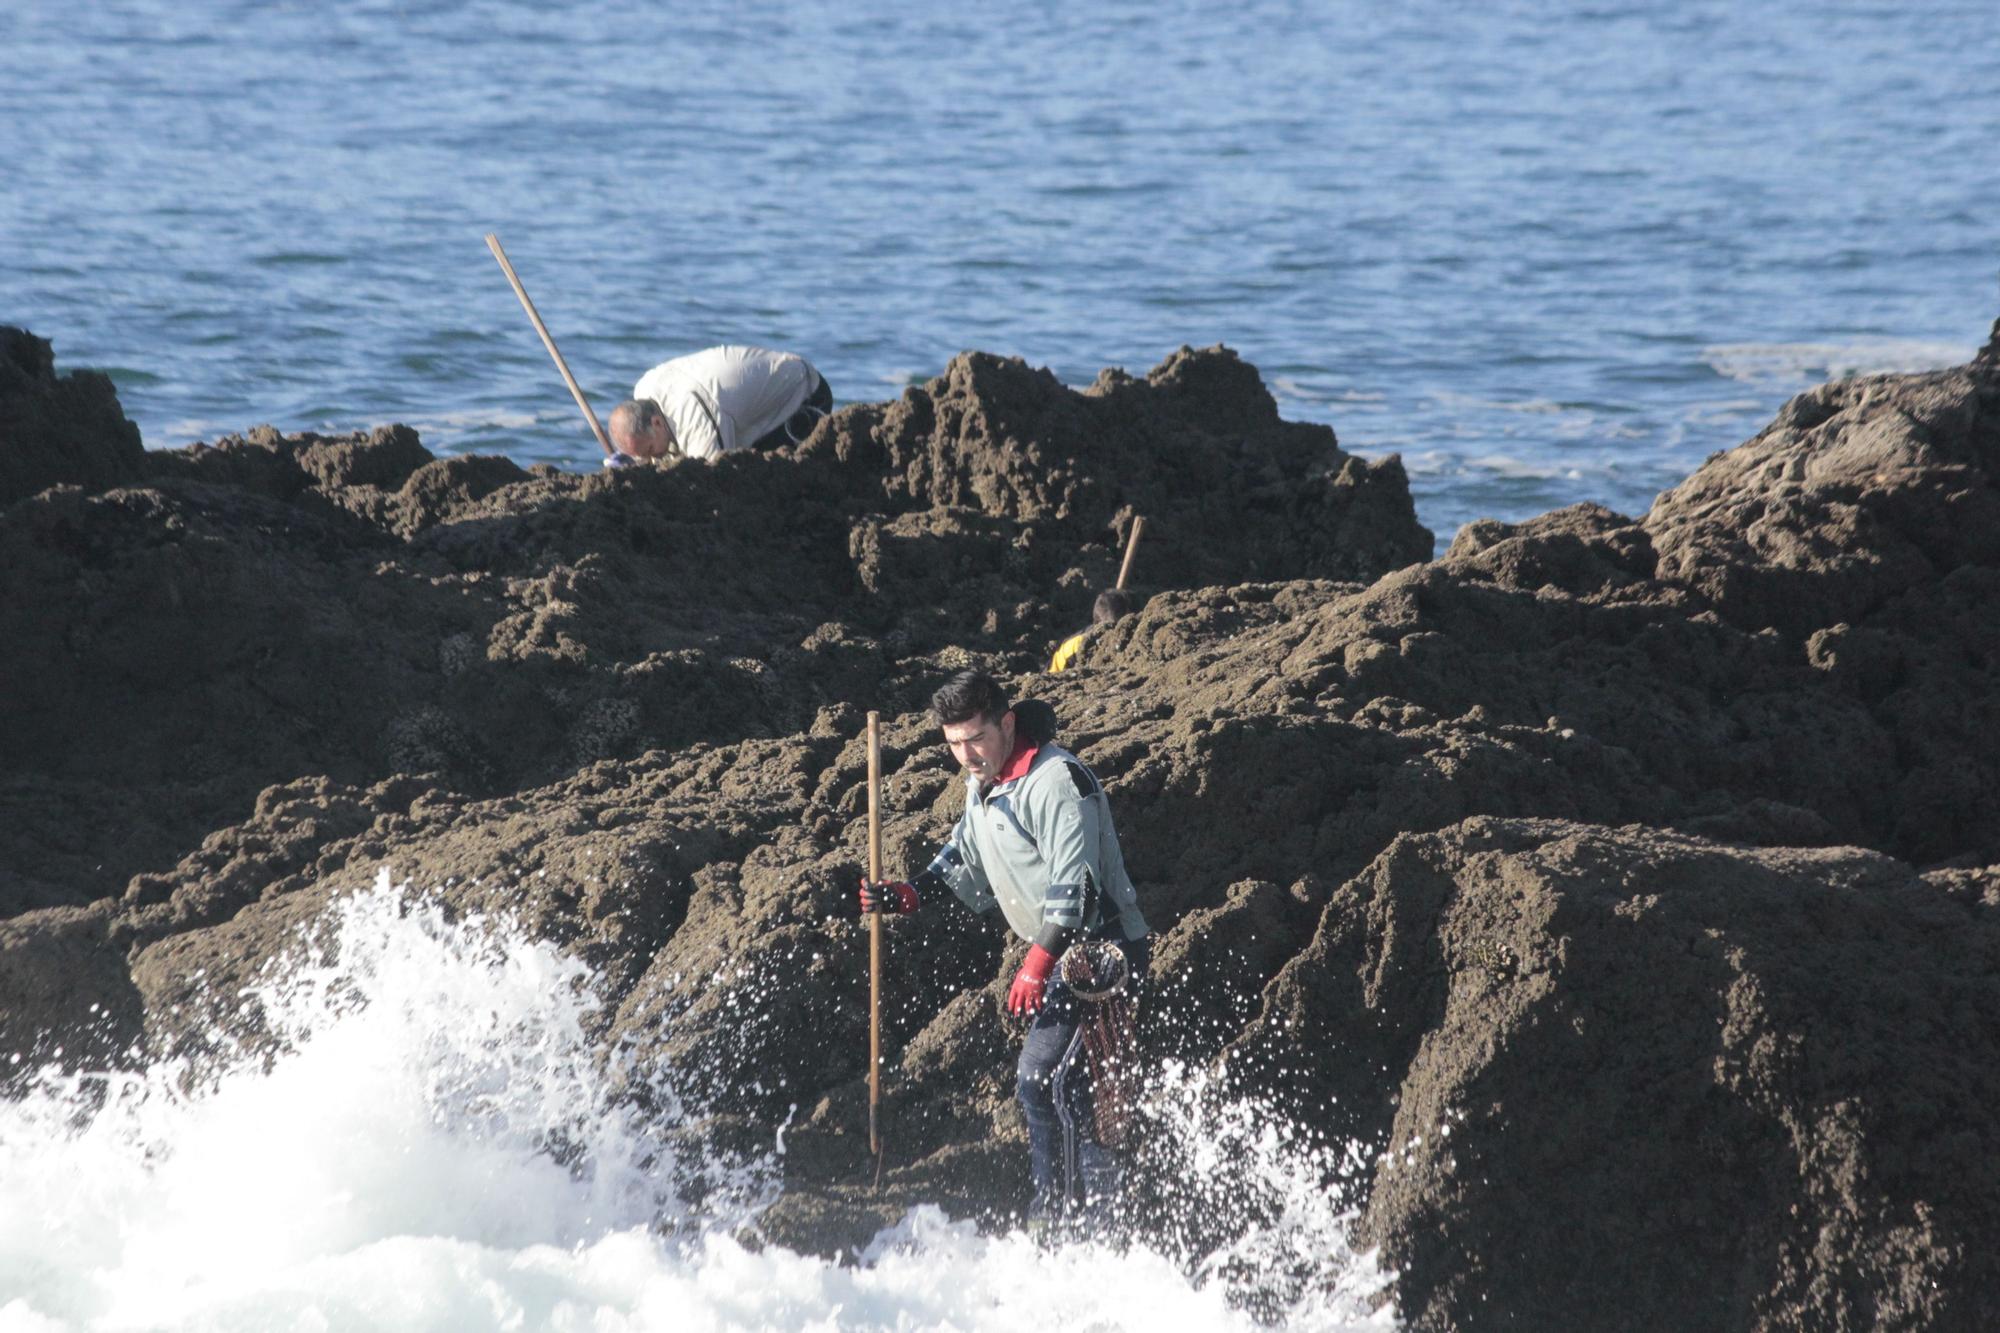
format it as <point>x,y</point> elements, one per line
<point>981,744</point>
<point>649,443</point>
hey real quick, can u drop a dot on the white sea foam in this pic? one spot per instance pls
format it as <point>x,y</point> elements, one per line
<point>1534,419</point>
<point>191,430</point>
<point>494,419</point>
<point>1506,465</point>
<point>434,1145</point>
<point>1774,363</point>
<point>1315,398</point>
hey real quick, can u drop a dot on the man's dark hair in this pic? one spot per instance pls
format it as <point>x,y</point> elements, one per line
<point>1111,604</point>
<point>967,695</point>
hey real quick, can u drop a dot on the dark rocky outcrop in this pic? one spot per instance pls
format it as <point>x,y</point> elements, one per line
<point>58,430</point>
<point>1630,1072</point>
<point>1651,856</point>
<point>1862,494</point>
<point>274,606</point>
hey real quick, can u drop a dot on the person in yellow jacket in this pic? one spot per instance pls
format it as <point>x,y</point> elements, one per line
<point>1110,605</point>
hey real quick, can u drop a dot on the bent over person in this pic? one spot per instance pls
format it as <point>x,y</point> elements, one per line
<point>1036,844</point>
<point>1109,606</point>
<point>716,401</point>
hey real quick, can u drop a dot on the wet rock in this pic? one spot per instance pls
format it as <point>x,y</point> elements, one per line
<point>1988,357</point>
<point>600,868</point>
<point>1229,491</point>
<point>66,995</point>
<point>273,605</point>
<point>65,430</point>
<point>1618,1070</point>
<point>1863,492</point>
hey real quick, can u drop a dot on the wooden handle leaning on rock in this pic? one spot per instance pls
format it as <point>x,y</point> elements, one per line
<point>1131,545</point>
<point>875,940</point>
<point>493,244</point>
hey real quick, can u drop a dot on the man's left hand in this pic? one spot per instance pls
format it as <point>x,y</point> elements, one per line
<point>1025,995</point>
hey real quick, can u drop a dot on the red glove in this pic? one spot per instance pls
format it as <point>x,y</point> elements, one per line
<point>888,897</point>
<point>1025,996</point>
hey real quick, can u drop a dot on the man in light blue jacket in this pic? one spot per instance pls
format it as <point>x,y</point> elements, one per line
<point>1037,844</point>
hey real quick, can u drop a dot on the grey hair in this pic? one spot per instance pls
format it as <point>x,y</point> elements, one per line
<point>633,418</point>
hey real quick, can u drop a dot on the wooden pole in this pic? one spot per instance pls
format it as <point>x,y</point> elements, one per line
<point>1131,545</point>
<point>875,942</point>
<point>493,244</point>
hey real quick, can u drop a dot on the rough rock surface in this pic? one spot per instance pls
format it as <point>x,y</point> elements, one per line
<point>1653,857</point>
<point>1759,1079</point>
<point>274,607</point>
<point>58,431</point>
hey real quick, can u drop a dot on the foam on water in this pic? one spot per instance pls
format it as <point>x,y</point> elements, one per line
<point>432,1142</point>
<point>1808,363</point>
<point>445,427</point>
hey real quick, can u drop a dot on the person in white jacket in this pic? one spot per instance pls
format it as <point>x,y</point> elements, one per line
<point>715,401</point>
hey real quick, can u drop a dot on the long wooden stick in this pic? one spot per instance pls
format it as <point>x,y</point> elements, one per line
<point>493,244</point>
<point>1131,545</point>
<point>875,941</point>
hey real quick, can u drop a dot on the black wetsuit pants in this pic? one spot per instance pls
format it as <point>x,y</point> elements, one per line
<point>1071,1169</point>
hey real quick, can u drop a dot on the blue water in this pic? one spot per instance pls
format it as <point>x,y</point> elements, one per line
<point>1547,252</point>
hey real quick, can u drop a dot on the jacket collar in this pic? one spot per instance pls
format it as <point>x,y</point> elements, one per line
<point>1018,762</point>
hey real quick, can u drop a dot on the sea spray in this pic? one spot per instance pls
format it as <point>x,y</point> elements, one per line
<point>413,1078</point>
<point>1251,1201</point>
<point>423,1135</point>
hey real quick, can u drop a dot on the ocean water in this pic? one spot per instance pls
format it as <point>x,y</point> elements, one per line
<point>396,1167</point>
<point>1546,252</point>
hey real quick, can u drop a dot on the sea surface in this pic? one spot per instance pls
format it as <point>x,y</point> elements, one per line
<point>1547,252</point>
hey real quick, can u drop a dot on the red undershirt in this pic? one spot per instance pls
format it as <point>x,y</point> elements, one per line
<point>1017,762</point>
